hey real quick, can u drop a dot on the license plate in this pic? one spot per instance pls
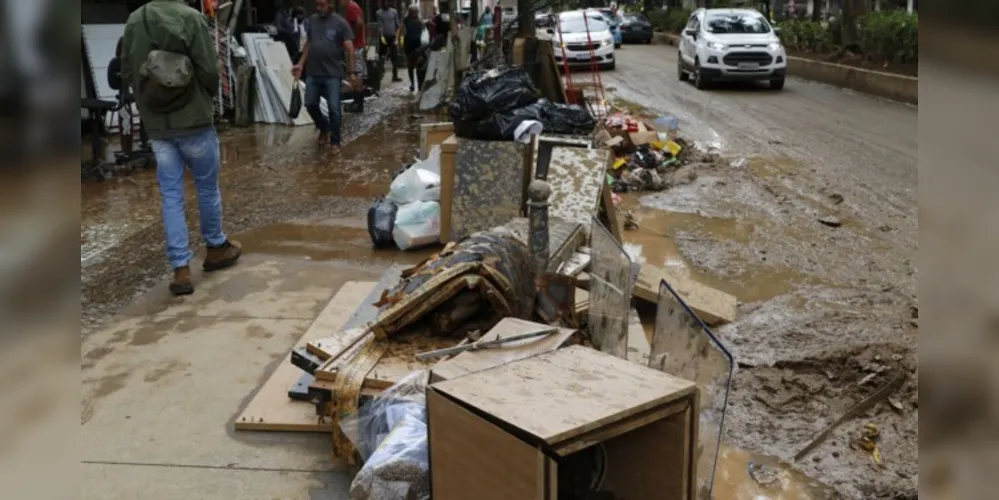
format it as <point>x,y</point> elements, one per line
<point>749,65</point>
<point>582,57</point>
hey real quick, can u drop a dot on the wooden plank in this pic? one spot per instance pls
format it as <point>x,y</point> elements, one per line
<point>559,395</point>
<point>473,458</point>
<point>476,361</point>
<point>271,409</point>
<point>449,151</point>
<point>638,344</point>
<point>613,223</point>
<point>577,178</point>
<point>713,306</point>
<point>433,134</point>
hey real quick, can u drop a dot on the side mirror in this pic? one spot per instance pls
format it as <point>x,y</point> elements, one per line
<point>690,33</point>
<point>550,31</point>
<point>777,31</point>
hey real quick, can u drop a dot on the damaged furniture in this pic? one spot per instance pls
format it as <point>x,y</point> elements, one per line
<point>562,425</point>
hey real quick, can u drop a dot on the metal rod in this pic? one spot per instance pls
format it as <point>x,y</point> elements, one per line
<point>474,346</point>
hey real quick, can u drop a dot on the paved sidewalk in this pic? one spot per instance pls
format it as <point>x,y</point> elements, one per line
<point>162,383</point>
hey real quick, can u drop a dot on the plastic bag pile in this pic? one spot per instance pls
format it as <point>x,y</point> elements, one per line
<point>410,215</point>
<point>492,104</point>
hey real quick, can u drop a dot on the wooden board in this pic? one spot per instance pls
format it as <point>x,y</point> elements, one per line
<point>638,343</point>
<point>433,134</point>
<point>449,151</point>
<point>488,185</point>
<point>476,361</point>
<point>713,306</point>
<point>613,223</point>
<point>562,394</point>
<point>271,409</point>
<point>399,361</point>
<point>577,178</point>
<point>473,458</point>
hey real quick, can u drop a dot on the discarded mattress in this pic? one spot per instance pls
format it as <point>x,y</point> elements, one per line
<point>471,285</point>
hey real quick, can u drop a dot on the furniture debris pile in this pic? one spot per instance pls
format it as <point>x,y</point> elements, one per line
<point>512,363</point>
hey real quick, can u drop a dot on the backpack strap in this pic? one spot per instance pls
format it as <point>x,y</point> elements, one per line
<point>145,26</point>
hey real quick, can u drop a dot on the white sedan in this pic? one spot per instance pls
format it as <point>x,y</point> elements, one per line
<point>581,43</point>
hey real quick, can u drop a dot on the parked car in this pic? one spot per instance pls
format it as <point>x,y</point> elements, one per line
<point>730,44</point>
<point>614,21</point>
<point>636,28</point>
<point>580,48</point>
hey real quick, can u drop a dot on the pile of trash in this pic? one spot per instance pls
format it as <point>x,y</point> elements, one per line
<point>647,152</point>
<point>410,215</point>
<point>502,104</point>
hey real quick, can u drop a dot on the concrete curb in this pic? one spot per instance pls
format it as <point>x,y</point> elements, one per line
<point>897,87</point>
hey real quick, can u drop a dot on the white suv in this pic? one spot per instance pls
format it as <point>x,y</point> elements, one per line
<point>731,44</point>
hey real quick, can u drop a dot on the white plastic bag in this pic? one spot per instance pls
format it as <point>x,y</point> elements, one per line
<point>425,37</point>
<point>420,182</point>
<point>417,224</point>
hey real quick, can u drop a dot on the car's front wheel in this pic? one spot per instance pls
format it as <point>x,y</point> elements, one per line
<point>680,73</point>
<point>700,81</point>
<point>777,84</point>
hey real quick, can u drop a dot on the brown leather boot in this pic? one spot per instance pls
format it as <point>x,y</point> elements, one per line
<point>181,284</point>
<point>222,256</point>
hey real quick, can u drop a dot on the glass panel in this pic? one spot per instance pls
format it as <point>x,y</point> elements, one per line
<point>611,281</point>
<point>684,346</point>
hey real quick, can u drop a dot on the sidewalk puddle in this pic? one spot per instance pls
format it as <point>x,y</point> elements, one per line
<point>743,475</point>
<point>340,240</point>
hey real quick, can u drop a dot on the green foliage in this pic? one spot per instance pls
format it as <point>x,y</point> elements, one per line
<point>888,35</point>
<point>672,20</point>
<point>807,36</point>
<point>891,35</point>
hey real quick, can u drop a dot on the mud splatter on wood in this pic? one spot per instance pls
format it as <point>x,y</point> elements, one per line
<point>488,185</point>
<point>577,178</point>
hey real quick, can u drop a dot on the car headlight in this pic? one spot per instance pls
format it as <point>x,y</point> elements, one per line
<point>607,41</point>
<point>716,46</point>
<point>774,46</point>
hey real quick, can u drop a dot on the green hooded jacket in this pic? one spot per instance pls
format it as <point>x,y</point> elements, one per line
<point>175,27</point>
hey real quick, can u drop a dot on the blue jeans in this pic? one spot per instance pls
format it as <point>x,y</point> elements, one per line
<point>200,152</point>
<point>330,89</point>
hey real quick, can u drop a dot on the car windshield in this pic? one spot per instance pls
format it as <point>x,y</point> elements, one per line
<point>609,15</point>
<point>575,24</point>
<point>736,23</point>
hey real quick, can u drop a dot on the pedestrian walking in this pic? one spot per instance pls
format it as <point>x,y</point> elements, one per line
<point>329,41</point>
<point>412,34</point>
<point>164,39</point>
<point>389,26</point>
<point>355,18</point>
<point>287,28</point>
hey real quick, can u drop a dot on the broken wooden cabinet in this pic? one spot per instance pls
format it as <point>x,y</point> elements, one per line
<point>555,424</point>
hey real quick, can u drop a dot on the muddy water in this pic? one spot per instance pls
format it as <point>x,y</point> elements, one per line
<point>742,475</point>
<point>269,174</point>
<point>659,232</point>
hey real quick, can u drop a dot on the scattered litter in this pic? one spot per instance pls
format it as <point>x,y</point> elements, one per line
<point>831,221</point>
<point>868,441</point>
<point>762,474</point>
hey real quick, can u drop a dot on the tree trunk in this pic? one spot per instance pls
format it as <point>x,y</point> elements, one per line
<point>852,12</point>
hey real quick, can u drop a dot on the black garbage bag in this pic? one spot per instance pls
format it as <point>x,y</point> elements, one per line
<point>483,93</point>
<point>570,119</point>
<point>381,222</point>
<point>296,101</point>
<point>555,119</point>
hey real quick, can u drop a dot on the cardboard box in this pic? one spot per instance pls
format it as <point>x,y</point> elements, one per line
<point>526,429</point>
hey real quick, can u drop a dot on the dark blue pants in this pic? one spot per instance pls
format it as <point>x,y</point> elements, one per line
<point>330,89</point>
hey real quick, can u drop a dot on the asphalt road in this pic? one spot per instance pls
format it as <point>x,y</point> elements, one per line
<point>859,146</point>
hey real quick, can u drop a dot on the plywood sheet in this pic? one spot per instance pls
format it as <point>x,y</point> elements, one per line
<point>488,185</point>
<point>577,177</point>
<point>449,150</point>
<point>562,394</point>
<point>713,306</point>
<point>476,361</point>
<point>271,409</point>
<point>472,458</point>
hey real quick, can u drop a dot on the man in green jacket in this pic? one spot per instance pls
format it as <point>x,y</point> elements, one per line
<point>183,136</point>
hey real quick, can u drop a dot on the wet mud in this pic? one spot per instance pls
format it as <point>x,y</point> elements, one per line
<point>270,175</point>
<point>808,215</point>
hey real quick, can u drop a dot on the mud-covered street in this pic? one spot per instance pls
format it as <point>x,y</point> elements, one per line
<point>809,216</point>
<point>804,208</point>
